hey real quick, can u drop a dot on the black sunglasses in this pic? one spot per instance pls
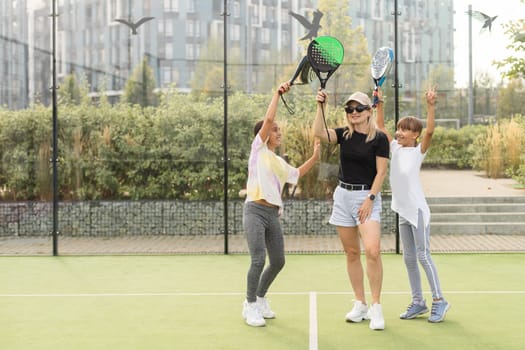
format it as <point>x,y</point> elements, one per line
<point>358,108</point>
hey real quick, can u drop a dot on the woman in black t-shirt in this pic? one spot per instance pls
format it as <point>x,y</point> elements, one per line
<point>356,213</point>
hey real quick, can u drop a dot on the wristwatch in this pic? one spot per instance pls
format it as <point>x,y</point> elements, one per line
<point>371,196</point>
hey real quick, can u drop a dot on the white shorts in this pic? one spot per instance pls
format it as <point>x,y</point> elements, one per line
<point>345,211</point>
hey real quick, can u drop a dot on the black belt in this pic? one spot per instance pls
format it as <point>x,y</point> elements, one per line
<point>352,187</point>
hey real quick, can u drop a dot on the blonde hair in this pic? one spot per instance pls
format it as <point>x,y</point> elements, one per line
<point>372,127</point>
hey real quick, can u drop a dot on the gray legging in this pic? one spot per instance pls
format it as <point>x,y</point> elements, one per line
<point>416,247</point>
<point>263,233</point>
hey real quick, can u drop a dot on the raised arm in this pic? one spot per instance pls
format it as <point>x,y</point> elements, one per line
<point>269,118</point>
<point>303,169</point>
<point>431,102</point>
<point>380,115</point>
<point>319,127</point>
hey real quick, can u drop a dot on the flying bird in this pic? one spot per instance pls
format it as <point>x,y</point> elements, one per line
<point>134,26</point>
<point>312,27</point>
<point>486,19</point>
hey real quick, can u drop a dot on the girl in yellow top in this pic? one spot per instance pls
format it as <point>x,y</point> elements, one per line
<point>267,174</point>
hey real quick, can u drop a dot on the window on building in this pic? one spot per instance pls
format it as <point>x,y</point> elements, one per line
<point>377,10</point>
<point>197,30</point>
<point>168,28</point>
<point>265,36</point>
<point>169,51</point>
<point>236,32</point>
<point>189,28</point>
<point>166,76</point>
<point>171,5</point>
<point>190,53</point>
<point>236,9</point>
<point>175,76</point>
<point>191,6</point>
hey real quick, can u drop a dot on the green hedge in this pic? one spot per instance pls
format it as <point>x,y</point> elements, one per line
<point>173,151</point>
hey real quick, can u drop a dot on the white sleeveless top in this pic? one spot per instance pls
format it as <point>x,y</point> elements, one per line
<point>407,192</point>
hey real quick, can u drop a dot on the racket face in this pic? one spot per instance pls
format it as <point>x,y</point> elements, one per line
<point>325,53</point>
<point>381,62</point>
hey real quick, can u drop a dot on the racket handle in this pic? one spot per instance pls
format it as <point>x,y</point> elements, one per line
<point>376,97</point>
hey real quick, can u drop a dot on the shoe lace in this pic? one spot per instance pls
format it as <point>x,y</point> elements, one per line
<point>435,307</point>
<point>410,306</point>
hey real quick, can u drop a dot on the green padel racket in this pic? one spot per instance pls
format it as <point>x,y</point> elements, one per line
<point>325,54</point>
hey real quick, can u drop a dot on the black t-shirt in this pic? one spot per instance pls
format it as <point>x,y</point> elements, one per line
<point>358,158</point>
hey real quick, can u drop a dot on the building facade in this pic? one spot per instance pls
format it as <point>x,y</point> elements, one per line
<point>95,44</point>
<point>14,54</point>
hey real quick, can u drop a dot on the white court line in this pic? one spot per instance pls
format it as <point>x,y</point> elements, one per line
<point>313,321</point>
<point>185,294</point>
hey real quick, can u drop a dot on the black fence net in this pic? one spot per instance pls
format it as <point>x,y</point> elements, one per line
<point>127,139</point>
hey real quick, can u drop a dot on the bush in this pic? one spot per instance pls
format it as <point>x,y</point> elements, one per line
<point>175,150</point>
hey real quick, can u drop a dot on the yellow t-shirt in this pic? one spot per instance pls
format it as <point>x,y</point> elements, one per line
<point>267,174</point>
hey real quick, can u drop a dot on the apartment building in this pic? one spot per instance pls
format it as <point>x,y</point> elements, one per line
<point>94,43</point>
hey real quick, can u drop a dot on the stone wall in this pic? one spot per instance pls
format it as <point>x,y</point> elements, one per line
<point>117,218</point>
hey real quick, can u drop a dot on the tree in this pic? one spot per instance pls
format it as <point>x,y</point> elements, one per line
<point>140,86</point>
<point>513,67</point>
<point>73,92</point>
<point>511,100</point>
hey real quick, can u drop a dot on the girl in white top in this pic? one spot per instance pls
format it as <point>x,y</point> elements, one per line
<point>408,200</point>
<point>267,174</point>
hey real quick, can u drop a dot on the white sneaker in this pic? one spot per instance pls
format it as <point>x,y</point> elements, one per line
<point>252,314</point>
<point>377,321</point>
<point>264,308</point>
<point>358,312</point>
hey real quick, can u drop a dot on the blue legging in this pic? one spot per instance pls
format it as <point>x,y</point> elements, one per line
<point>416,247</point>
<point>263,234</point>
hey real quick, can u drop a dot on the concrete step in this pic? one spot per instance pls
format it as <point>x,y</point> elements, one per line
<point>478,208</point>
<point>476,200</point>
<point>480,217</point>
<point>477,215</point>
<point>473,228</point>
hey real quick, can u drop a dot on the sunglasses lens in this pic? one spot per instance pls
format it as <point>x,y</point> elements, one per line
<point>359,109</point>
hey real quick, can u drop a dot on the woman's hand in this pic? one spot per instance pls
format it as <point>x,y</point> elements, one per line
<point>321,97</point>
<point>365,210</point>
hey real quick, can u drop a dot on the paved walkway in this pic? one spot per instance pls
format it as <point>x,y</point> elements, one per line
<point>466,183</point>
<point>436,183</point>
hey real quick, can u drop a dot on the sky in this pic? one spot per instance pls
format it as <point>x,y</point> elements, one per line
<point>486,46</point>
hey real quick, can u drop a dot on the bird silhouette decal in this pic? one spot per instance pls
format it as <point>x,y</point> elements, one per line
<point>486,19</point>
<point>312,27</point>
<point>134,26</point>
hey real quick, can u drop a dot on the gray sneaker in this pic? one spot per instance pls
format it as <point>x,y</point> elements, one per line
<point>413,311</point>
<point>439,310</point>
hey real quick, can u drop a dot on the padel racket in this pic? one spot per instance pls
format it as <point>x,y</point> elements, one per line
<point>325,54</point>
<point>380,66</point>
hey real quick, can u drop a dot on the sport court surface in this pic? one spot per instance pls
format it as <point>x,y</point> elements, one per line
<point>194,302</point>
